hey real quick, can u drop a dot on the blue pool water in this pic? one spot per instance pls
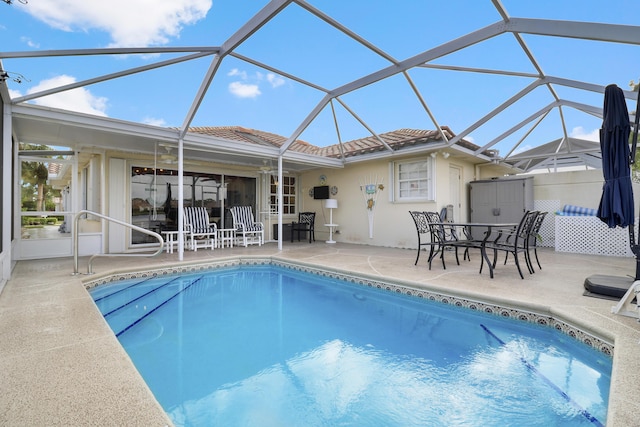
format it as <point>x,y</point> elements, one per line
<point>268,346</point>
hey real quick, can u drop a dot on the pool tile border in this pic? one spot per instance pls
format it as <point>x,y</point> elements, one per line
<point>498,310</point>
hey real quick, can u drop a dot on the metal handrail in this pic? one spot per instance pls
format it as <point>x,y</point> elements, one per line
<point>125,224</point>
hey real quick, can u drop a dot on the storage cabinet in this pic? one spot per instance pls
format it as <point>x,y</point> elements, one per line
<point>286,233</point>
<point>500,200</point>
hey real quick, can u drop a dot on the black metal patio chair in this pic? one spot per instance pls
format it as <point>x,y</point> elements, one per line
<point>514,241</point>
<point>534,237</point>
<point>306,223</point>
<point>422,228</point>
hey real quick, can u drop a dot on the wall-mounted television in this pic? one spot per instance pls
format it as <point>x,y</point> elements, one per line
<point>321,192</point>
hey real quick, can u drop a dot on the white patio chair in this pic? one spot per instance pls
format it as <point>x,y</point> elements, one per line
<point>200,231</point>
<point>252,232</point>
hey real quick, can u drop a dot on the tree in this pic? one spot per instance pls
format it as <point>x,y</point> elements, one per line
<point>35,175</point>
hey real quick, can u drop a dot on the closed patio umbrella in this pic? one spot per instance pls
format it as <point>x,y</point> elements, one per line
<point>616,204</point>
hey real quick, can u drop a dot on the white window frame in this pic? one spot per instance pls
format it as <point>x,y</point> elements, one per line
<point>428,176</point>
<point>290,207</point>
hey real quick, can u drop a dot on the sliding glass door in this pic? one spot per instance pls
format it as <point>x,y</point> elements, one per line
<point>154,197</point>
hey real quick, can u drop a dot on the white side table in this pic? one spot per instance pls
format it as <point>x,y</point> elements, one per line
<point>331,227</point>
<point>171,240</point>
<point>226,237</point>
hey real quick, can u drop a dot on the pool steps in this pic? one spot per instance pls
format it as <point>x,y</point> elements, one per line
<point>138,317</point>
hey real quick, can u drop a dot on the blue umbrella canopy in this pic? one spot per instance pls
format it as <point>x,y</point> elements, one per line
<point>616,204</point>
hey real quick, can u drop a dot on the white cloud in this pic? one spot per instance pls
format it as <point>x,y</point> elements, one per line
<point>29,42</point>
<point>252,90</point>
<point>80,99</point>
<point>14,93</point>
<point>579,132</point>
<point>154,122</point>
<point>128,22</point>
<point>244,90</point>
<point>238,73</point>
<point>275,80</point>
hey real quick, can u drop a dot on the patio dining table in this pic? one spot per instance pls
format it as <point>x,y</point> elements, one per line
<point>489,229</point>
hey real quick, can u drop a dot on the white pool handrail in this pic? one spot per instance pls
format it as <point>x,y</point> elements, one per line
<point>125,224</point>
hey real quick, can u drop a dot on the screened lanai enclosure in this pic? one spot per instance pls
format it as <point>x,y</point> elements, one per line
<point>276,88</point>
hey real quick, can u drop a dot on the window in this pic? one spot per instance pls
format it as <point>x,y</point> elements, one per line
<point>45,196</point>
<point>288,194</point>
<point>414,180</point>
<point>154,197</point>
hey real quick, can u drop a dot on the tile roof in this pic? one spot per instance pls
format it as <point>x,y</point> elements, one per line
<point>397,140</point>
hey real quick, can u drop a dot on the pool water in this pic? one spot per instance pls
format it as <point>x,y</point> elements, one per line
<point>269,346</point>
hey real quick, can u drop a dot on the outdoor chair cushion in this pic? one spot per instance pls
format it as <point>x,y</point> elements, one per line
<point>572,210</point>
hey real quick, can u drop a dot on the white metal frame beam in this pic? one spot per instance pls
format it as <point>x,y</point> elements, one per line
<point>517,26</point>
<point>111,76</point>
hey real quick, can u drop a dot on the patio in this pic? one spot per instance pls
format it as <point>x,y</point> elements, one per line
<point>63,366</point>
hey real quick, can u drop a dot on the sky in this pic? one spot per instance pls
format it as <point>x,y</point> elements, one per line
<point>243,94</point>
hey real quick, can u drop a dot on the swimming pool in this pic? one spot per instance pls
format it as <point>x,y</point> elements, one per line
<point>273,346</point>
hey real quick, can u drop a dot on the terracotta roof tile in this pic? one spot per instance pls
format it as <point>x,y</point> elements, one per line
<point>238,133</point>
<point>397,140</point>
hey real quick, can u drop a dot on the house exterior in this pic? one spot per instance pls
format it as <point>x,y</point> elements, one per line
<point>131,173</point>
<point>125,171</point>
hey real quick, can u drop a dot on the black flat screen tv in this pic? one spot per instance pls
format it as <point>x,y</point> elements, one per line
<point>321,192</point>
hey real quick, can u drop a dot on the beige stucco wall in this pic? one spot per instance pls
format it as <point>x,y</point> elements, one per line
<point>580,188</point>
<point>393,226</point>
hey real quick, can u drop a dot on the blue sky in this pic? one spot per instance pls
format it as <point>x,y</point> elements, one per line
<point>303,45</point>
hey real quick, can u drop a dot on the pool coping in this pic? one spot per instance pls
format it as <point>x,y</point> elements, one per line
<point>600,340</point>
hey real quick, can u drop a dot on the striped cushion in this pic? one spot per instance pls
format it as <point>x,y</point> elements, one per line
<point>571,210</point>
<point>198,219</point>
<point>243,219</point>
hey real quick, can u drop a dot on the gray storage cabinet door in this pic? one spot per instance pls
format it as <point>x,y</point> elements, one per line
<point>483,201</point>
<point>500,200</point>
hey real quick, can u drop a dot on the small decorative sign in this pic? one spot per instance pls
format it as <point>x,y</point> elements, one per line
<point>370,187</point>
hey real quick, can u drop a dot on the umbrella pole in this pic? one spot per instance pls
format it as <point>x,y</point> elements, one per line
<point>635,248</point>
<point>635,245</point>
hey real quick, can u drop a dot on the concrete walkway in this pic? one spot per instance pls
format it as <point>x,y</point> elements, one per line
<point>62,365</point>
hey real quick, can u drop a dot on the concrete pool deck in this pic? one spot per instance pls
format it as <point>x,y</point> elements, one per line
<point>62,365</point>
